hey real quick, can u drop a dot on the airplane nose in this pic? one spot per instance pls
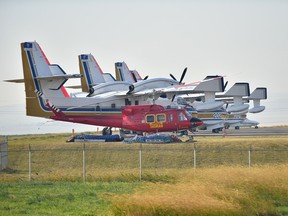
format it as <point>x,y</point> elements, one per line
<point>195,122</point>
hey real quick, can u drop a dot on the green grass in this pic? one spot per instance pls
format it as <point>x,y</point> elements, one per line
<point>60,198</point>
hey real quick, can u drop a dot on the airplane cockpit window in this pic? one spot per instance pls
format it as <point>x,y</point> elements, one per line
<point>161,118</point>
<point>182,117</point>
<point>190,109</point>
<point>150,118</point>
<point>181,101</point>
<point>127,101</point>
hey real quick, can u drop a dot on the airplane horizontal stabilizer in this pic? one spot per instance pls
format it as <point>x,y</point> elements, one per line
<point>259,93</point>
<point>238,89</point>
<point>15,81</point>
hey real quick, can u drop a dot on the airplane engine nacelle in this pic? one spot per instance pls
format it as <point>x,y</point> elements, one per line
<point>257,109</point>
<point>209,106</point>
<point>237,108</point>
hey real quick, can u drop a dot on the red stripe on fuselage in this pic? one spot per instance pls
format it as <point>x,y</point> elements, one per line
<point>46,59</point>
<point>64,91</point>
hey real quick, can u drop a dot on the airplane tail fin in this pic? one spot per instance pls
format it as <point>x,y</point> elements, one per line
<point>210,86</point>
<point>91,72</point>
<point>123,73</point>
<point>257,95</point>
<point>238,91</point>
<point>41,76</point>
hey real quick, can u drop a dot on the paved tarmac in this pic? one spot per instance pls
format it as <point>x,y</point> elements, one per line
<point>265,131</point>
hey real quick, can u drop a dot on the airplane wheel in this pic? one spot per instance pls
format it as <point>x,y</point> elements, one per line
<point>256,127</point>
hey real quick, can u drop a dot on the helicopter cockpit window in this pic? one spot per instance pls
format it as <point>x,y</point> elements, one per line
<point>188,114</point>
<point>150,118</point>
<point>161,118</point>
<point>171,117</point>
<point>182,117</point>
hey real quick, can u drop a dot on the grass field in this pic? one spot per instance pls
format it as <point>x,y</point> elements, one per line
<point>169,186</point>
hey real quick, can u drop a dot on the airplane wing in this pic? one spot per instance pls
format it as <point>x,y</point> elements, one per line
<point>62,76</point>
<point>156,91</point>
<point>15,80</point>
<point>74,87</point>
<point>214,84</point>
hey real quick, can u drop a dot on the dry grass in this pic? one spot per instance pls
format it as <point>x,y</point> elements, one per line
<point>213,191</point>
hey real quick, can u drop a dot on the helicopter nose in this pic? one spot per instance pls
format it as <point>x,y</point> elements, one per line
<point>195,122</point>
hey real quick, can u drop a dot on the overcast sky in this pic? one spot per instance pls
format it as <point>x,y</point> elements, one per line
<point>245,40</point>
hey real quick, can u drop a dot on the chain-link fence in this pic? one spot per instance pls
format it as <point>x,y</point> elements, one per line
<point>3,152</point>
<point>100,163</point>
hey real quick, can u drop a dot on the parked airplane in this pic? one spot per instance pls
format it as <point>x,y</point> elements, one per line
<point>44,92</point>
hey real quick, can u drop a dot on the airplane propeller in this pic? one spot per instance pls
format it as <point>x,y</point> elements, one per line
<point>131,89</point>
<point>173,77</point>
<point>173,98</point>
<point>225,85</point>
<point>182,76</point>
<point>134,77</point>
<point>91,91</point>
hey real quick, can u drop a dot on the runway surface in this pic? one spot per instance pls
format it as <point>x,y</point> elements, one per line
<point>265,131</point>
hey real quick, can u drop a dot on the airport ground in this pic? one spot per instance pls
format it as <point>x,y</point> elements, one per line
<point>249,131</point>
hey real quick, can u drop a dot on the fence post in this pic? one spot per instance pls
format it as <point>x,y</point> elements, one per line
<point>249,156</point>
<point>0,159</point>
<point>140,162</point>
<point>194,156</point>
<point>30,162</point>
<point>84,163</point>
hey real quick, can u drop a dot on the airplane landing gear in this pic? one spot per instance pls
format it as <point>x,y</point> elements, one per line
<point>107,131</point>
<point>185,132</point>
